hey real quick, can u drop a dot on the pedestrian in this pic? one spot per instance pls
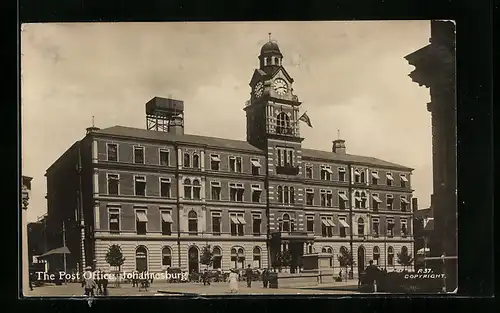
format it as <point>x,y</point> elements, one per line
<point>90,284</point>
<point>206,278</point>
<point>265,278</point>
<point>233,281</point>
<point>104,284</point>
<point>98,279</point>
<point>371,272</point>
<point>135,275</point>
<point>249,276</point>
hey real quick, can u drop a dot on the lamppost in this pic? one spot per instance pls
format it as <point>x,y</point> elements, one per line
<point>24,241</point>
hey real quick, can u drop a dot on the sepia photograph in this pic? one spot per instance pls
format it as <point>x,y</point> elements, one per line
<point>238,158</point>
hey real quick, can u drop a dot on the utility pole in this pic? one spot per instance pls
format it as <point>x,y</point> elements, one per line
<point>64,245</point>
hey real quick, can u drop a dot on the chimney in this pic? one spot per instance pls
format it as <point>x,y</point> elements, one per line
<point>338,146</point>
<point>414,204</point>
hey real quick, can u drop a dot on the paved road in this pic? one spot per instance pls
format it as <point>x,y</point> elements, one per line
<point>75,290</point>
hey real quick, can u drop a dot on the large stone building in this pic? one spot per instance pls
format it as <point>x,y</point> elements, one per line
<point>162,195</point>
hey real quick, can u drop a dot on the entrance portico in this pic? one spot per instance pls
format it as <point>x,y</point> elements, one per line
<point>294,242</point>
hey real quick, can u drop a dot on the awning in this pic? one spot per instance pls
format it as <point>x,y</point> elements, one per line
<point>331,223</point>
<point>215,158</point>
<point>328,170</point>
<point>403,178</point>
<point>113,220</point>
<point>405,200</point>
<point>389,177</point>
<point>325,222</point>
<point>166,217</point>
<point>375,175</point>
<point>256,188</point>
<point>141,216</point>
<point>234,219</point>
<point>343,223</point>
<point>377,199</point>
<point>343,196</point>
<point>357,198</point>
<point>429,225</point>
<point>241,220</point>
<point>61,250</point>
<point>421,251</point>
<point>256,163</point>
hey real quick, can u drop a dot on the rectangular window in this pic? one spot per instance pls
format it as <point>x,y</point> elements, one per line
<point>140,185</point>
<point>309,196</point>
<point>255,166</point>
<point>216,223</point>
<point>390,227</point>
<point>309,171</point>
<point>141,221</point>
<point>235,164</point>
<point>343,227</point>
<point>165,187</point>
<point>329,198</point>
<point>114,220</point>
<point>404,228</point>
<point>375,178</point>
<point>322,196</point>
<point>164,157</point>
<point>256,225</point>
<point>357,176</point>
<point>310,223</point>
<point>327,226</point>
<point>236,192</point>
<point>113,184</point>
<point>285,157</point>
<point>389,179</point>
<point>375,202</point>
<point>112,152</point>
<point>215,190</point>
<point>390,202</point>
<point>342,200</point>
<point>215,162</point>
<point>166,222</point>
<point>237,224</point>
<point>403,180</point>
<point>256,193</point>
<point>342,174</point>
<point>376,227</point>
<point>326,173</point>
<point>139,155</point>
<point>404,204</point>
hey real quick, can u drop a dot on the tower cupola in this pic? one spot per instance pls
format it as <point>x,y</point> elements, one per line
<point>270,56</point>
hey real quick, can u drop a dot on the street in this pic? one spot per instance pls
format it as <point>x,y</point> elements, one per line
<point>179,289</point>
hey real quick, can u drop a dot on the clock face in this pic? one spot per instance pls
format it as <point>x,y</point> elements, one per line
<point>258,89</point>
<point>280,86</point>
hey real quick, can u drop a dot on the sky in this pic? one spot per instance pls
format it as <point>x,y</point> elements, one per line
<point>350,76</point>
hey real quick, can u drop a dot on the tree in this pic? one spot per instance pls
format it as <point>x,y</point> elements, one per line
<point>404,258</point>
<point>286,258</point>
<point>114,257</point>
<point>207,256</point>
<point>346,259</point>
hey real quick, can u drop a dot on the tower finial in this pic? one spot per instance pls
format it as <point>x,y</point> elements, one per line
<point>338,133</point>
<point>93,125</point>
<point>269,36</point>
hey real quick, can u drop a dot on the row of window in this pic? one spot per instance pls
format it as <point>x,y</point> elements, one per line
<point>190,160</point>
<point>285,158</point>
<point>376,253</point>
<point>237,256</point>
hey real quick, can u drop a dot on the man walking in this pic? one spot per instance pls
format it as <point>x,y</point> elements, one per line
<point>371,272</point>
<point>89,284</point>
<point>249,276</point>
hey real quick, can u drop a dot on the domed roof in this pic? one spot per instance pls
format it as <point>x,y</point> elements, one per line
<point>270,47</point>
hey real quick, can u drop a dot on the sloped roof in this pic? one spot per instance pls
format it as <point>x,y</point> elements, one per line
<point>349,158</point>
<point>189,139</point>
<point>223,143</point>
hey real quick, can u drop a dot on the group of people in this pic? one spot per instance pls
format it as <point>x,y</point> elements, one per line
<point>93,286</point>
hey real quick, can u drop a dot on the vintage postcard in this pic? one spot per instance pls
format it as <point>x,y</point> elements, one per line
<point>181,159</point>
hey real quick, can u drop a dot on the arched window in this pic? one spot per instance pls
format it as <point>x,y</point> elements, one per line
<point>361,226</point>
<point>285,195</point>
<point>286,222</point>
<point>196,161</point>
<point>283,123</point>
<point>217,258</point>
<point>323,250</point>
<point>376,255</point>
<point>141,259</point>
<point>187,160</point>
<point>188,189</point>
<point>280,194</point>
<point>241,258</point>
<point>256,257</point>
<point>362,176</point>
<point>292,195</point>
<point>310,249</point>
<point>404,250</point>
<point>329,250</point>
<point>390,256</point>
<point>268,61</point>
<point>196,189</point>
<point>357,200</point>
<point>166,256</point>
<point>192,223</point>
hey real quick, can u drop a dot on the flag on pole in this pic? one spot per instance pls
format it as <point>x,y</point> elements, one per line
<point>304,118</point>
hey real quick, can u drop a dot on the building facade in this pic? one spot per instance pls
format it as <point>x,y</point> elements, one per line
<point>162,195</point>
<point>435,69</point>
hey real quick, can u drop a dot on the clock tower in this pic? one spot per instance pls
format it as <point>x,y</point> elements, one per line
<point>273,109</point>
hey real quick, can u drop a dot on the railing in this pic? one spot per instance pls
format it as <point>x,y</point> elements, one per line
<point>288,131</point>
<point>287,170</point>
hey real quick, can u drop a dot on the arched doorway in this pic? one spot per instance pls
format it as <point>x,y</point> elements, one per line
<point>361,259</point>
<point>193,261</point>
<point>141,259</point>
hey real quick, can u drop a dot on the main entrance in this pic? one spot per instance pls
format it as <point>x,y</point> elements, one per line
<point>193,261</point>
<point>361,259</point>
